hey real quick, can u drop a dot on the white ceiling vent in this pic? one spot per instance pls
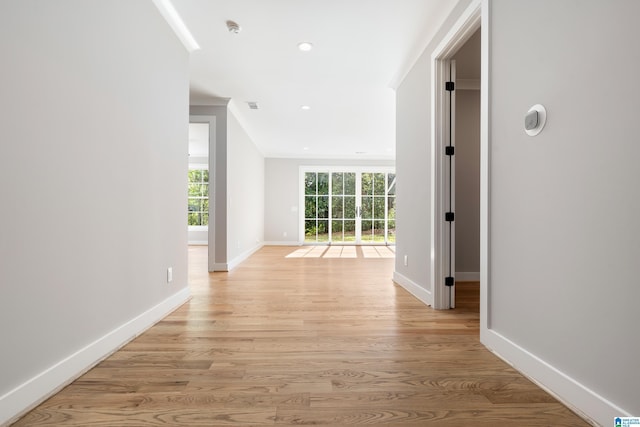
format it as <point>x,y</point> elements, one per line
<point>253,105</point>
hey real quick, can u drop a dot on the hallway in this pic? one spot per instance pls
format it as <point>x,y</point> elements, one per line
<point>298,340</point>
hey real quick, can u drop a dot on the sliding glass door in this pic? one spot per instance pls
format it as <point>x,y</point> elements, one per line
<point>344,207</point>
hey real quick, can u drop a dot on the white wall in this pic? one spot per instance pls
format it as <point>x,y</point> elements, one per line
<point>245,194</point>
<point>467,185</point>
<point>413,159</point>
<point>564,228</point>
<point>282,194</point>
<point>93,159</point>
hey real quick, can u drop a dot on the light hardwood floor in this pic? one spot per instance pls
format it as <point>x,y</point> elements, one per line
<point>299,341</point>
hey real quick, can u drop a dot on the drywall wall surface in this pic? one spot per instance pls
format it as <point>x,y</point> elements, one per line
<point>93,159</point>
<point>218,176</point>
<point>564,210</point>
<point>245,192</point>
<point>282,194</point>
<point>467,181</point>
<point>413,164</point>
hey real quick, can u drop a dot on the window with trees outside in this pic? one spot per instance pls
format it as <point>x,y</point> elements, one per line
<point>198,197</point>
<point>349,207</point>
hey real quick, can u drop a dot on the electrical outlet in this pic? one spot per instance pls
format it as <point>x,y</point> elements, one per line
<point>406,260</point>
<point>169,274</point>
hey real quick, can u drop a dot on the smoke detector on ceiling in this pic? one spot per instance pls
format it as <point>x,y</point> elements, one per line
<point>233,27</point>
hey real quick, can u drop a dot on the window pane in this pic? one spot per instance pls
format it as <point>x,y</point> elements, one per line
<point>378,207</point>
<point>366,230</point>
<point>323,183</point>
<point>337,183</point>
<point>378,184</point>
<point>392,183</point>
<point>391,230</point>
<point>350,184</point>
<point>336,231</point>
<point>337,207</point>
<point>194,219</point>
<point>391,207</point>
<point>310,230</point>
<point>323,231</point>
<point>367,183</point>
<point>205,175</point>
<point>378,231</point>
<point>310,181</point>
<point>367,207</point>
<point>349,231</point>
<point>194,205</point>
<point>349,207</point>
<point>204,190</point>
<point>205,219</point>
<point>323,207</point>
<point>310,207</point>
<point>195,175</point>
<point>194,189</point>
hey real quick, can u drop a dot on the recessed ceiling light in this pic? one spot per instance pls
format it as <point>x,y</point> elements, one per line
<point>306,148</point>
<point>305,107</point>
<point>305,46</point>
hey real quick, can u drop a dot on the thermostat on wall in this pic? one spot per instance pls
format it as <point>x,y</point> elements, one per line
<point>535,119</point>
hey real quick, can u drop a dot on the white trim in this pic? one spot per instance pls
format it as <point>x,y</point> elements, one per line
<point>198,243</point>
<point>220,266</point>
<point>243,256</point>
<point>34,391</point>
<point>413,288</point>
<point>467,276</point>
<point>577,396</point>
<point>176,23</point>
<point>485,165</point>
<point>282,243</point>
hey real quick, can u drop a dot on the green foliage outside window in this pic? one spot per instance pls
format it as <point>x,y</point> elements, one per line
<point>198,207</point>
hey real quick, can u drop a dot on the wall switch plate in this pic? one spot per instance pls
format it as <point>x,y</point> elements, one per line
<point>169,274</point>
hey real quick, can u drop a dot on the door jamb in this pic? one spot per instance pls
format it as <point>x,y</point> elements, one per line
<point>460,32</point>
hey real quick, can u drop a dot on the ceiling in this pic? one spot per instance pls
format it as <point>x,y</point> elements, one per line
<point>361,49</point>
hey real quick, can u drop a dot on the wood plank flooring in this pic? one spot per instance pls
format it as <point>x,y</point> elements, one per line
<point>305,341</point>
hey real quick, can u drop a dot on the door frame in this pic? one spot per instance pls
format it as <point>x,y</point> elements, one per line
<point>457,36</point>
<point>211,229</point>
<point>330,169</point>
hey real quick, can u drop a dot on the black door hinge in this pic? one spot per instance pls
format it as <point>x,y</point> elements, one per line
<point>449,281</point>
<point>449,86</point>
<point>449,216</point>
<point>449,150</point>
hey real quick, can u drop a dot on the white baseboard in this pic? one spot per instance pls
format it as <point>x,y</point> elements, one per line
<point>220,266</point>
<point>243,256</point>
<point>282,243</point>
<point>467,276</point>
<point>30,394</point>
<point>579,398</point>
<point>198,243</point>
<point>413,288</point>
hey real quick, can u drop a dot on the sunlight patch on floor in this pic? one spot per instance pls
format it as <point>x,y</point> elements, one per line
<point>377,252</point>
<point>343,252</point>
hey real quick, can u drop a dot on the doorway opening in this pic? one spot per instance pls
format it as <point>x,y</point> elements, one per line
<point>455,168</point>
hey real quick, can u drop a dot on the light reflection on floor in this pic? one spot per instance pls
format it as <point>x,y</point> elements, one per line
<point>344,252</point>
